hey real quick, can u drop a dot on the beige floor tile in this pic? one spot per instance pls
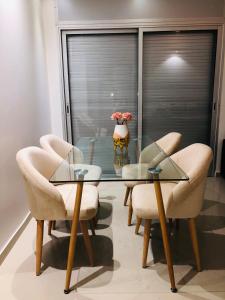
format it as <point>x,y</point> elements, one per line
<point>118,273</point>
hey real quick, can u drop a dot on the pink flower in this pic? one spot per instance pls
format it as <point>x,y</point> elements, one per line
<point>127,116</point>
<point>116,116</point>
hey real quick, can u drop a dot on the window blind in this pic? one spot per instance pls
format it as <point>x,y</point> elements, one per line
<point>178,75</point>
<point>102,71</point>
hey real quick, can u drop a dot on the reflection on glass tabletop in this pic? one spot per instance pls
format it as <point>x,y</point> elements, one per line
<point>143,161</point>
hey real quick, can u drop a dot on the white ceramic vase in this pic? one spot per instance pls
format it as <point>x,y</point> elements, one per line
<point>120,132</point>
<point>121,137</point>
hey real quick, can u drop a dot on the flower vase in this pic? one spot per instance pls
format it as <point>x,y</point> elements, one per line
<point>121,137</point>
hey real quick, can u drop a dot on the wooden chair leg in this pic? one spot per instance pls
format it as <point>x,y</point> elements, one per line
<point>138,224</point>
<point>126,196</point>
<point>39,243</point>
<point>92,226</point>
<point>146,242</point>
<point>87,241</point>
<point>50,225</point>
<point>130,211</point>
<point>194,239</point>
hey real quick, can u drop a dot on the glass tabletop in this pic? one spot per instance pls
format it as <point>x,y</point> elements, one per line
<point>97,160</point>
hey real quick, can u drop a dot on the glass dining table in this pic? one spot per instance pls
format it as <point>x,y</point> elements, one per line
<point>118,165</point>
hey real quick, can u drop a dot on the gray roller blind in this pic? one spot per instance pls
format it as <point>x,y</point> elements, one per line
<point>178,74</point>
<point>102,79</point>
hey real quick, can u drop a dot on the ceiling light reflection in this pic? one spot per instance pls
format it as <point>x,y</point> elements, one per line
<point>175,60</point>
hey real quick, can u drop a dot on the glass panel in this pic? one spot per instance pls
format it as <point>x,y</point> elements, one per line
<point>102,163</point>
<point>178,75</point>
<point>102,79</point>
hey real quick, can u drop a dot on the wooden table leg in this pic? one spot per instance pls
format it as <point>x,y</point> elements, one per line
<point>73,236</point>
<point>162,219</point>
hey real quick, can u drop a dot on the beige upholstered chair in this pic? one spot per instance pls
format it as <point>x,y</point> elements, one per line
<point>182,200</point>
<point>58,148</point>
<point>49,202</point>
<point>169,144</point>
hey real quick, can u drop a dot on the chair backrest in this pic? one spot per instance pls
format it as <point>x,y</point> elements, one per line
<point>169,143</point>
<point>59,148</point>
<point>188,196</point>
<point>44,200</point>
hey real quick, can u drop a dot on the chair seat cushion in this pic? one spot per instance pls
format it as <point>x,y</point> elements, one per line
<point>94,172</point>
<point>89,201</point>
<point>144,199</point>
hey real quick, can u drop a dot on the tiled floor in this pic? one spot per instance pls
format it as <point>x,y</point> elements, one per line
<point>118,273</point>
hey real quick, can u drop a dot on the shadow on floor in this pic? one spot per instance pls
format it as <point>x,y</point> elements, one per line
<point>211,244</point>
<point>55,252</point>
<point>105,212</point>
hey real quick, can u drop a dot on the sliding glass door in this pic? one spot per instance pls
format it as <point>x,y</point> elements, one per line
<point>102,79</point>
<point>165,78</point>
<point>178,80</point>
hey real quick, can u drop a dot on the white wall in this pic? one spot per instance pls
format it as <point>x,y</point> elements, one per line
<point>137,9</point>
<point>53,58</point>
<point>24,113</point>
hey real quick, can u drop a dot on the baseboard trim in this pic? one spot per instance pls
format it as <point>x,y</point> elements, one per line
<point>12,240</point>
